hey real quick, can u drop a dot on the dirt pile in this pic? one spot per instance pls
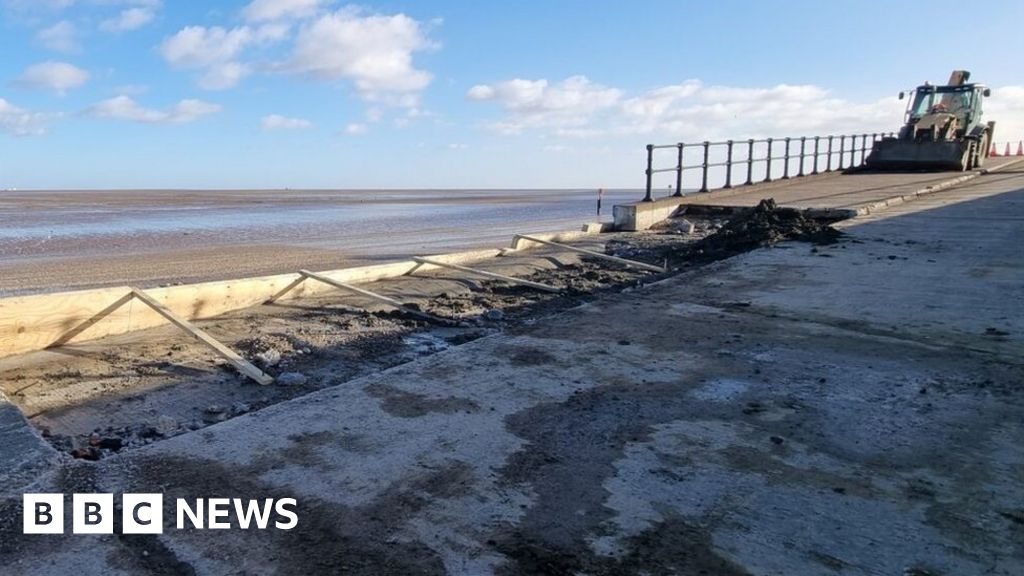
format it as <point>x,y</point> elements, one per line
<point>763,225</point>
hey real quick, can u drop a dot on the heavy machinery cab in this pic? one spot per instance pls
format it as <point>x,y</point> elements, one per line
<point>943,112</point>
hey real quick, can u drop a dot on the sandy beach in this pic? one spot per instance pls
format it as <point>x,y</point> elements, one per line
<point>75,239</point>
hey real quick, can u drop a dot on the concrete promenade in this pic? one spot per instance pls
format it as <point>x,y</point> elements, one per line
<point>850,409</point>
<point>836,194</point>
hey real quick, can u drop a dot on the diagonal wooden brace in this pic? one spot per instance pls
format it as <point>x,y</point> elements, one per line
<point>241,364</point>
<point>485,273</point>
<point>374,296</point>
<point>623,261</point>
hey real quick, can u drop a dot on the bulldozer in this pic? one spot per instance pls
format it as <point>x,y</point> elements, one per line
<point>942,129</point>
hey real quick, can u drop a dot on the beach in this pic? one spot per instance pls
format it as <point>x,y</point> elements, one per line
<point>76,239</point>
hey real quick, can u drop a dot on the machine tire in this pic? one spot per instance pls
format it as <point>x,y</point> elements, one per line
<point>979,157</point>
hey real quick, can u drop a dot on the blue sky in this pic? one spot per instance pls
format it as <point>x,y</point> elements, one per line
<point>308,93</point>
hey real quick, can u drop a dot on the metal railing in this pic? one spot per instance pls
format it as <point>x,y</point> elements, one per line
<point>811,154</point>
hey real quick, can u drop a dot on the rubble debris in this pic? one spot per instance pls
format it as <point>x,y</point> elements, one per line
<point>215,413</point>
<point>87,453</point>
<point>269,358</point>
<point>494,315</point>
<point>763,225</point>
<point>165,426</point>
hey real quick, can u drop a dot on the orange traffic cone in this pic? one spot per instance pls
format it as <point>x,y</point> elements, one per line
<point>1007,152</point>
<point>993,152</point>
<point>1020,148</point>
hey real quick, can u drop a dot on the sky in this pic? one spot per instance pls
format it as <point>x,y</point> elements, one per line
<point>460,94</point>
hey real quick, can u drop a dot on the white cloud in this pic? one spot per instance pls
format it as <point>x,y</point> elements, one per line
<point>1006,108</point>
<point>223,76</point>
<point>124,108</point>
<point>215,51</point>
<point>20,122</point>
<point>57,76</point>
<point>691,107</point>
<point>131,18</point>
<point>278,122</point>
<point>373,51</point>
<point>61,37</point>
<point>355,129</point>
<point>569,104</point>
<point>198,46</point>
<point>264,10</point>
<point>578,108</point>
<point>481,92</point>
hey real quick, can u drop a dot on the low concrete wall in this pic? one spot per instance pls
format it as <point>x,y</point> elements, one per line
<point>36,322</point>
<point>643,215</point>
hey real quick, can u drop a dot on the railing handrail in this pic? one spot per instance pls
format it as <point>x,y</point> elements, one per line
<point>767,157</point>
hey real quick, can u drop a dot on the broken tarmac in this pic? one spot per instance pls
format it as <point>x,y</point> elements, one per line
<point>854,409</point>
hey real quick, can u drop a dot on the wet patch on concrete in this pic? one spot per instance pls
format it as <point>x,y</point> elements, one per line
<point>667,548</point>
<point>530,356</point>
<point>572,450</point>
<point>329,537</point>
<point>404,404</point>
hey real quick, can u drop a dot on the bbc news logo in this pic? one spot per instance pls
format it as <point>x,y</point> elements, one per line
<point>144,513</point>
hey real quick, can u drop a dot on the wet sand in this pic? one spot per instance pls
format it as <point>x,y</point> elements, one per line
<point>67,240</point>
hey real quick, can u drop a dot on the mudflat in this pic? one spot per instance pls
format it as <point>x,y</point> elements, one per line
<point>60,240</point>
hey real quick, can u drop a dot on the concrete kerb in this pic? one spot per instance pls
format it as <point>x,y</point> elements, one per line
<point>866,209</point>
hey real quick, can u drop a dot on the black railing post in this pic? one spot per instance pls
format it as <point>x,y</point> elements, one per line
<point>750,162</point>
<point>842,150</point>
<point>785,169</point>
<point>768,163</point>
<point>650,164</point>
<point>864,149</point>
<point>704,178</point>
<point>853,150</point>
<point>817,141</point>
<point>829,157</point>
<point>803,148</point>
<point>728,164</point>
<point>679,172</point>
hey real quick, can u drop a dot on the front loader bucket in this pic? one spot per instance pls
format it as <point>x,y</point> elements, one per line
<point>894,154</point>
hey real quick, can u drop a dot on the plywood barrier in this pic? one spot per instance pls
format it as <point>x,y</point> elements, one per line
<point>36,322</point>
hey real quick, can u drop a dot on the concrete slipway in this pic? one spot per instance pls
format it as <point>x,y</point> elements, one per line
<point>847,409</point>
